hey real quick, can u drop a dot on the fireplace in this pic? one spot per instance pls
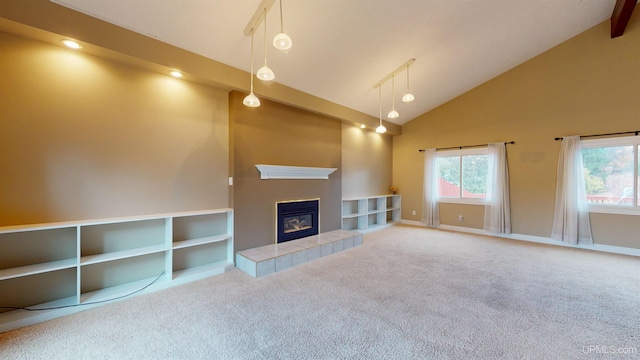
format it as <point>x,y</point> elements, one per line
<point>296,219</point>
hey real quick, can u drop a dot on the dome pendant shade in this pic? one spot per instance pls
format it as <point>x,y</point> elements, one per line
<point>251,100</point>
<point>408,97</point>
<point>380,129</point>
<point>265,73</point>
<point>282,41</point>
<point>393,113</point>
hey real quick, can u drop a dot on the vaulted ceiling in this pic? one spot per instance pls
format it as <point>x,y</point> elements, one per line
<point>341,48</point>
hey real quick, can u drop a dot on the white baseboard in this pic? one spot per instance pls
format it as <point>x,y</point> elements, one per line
<point>536,239</point>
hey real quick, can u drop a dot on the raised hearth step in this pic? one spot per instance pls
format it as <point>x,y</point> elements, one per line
<point>268,259</point>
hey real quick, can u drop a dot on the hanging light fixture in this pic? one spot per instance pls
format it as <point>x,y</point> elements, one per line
<point>380,129</point>
<point>408,96</point>
<point>265,73</point>
<point>251,100</point>
<point>282,41</point>
<point>393,113</point>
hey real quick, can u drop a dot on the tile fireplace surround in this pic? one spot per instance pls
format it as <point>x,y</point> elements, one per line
<point>268,259</point>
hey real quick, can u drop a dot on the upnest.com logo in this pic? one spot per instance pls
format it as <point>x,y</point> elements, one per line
<point>609,349</point>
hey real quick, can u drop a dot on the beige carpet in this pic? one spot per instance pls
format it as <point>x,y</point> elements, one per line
<point>406,293</point>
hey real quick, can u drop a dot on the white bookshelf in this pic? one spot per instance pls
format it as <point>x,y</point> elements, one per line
<point>83,262</point>
<point>371,213</point>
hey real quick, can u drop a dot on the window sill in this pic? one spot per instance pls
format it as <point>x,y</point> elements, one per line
<point>618,210</point>
<point>465,201</point>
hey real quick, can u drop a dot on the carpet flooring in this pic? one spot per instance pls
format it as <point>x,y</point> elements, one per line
<point>406,293</point>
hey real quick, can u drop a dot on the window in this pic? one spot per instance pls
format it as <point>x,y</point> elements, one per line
<point>462,175</point>
<point>611,173</point>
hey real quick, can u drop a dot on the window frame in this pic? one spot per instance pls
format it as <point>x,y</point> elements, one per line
<point>616,142</point>
<point>460,153</point>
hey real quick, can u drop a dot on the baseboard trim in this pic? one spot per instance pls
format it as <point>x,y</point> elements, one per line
<point>536,239</point>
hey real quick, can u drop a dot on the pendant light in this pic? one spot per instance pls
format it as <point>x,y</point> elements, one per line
<point>393,113</point>
<point>380,129</point>
<point>251,100</point>
<point>265,73</point>
<point>408,96</point>
<point>282,41</point>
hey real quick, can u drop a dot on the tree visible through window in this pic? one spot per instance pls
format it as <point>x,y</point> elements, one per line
<point>464,175</point>
<point>611,171</point>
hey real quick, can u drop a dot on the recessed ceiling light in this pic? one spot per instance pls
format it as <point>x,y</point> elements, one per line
<point>362,126</point>
<point>71,44</point>
<point>176,73</point>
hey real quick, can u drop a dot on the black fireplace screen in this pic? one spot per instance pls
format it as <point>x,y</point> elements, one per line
<point>296,219</point>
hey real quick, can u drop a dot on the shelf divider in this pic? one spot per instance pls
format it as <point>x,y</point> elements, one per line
<point>200,241</point>
<point>146,244</point>
<point>12,273</point>
<point>117,255</point>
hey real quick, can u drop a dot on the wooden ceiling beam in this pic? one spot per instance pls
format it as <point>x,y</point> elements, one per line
<point>620,18</point>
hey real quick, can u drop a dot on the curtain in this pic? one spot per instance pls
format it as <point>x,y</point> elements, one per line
<point>571,215</point>
<point>497,213</point>
<point>430,210</point>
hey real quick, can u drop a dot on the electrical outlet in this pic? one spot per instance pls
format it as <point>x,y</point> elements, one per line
<point>413,212</point>
<point>460,218</point>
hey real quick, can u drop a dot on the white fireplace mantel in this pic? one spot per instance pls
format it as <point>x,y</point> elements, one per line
<point>293,172</point>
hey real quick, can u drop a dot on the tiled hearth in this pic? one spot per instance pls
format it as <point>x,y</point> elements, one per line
<point>268,259</point>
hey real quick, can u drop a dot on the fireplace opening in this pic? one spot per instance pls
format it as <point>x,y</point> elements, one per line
<point>297,223</point>
<point>296,219</point>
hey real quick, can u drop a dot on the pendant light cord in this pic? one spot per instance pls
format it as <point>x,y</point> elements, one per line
<point>281,22</point>
<point>393,92</point>
<point>265,37</point>
<point>380,104</point>
<point>252,33</point>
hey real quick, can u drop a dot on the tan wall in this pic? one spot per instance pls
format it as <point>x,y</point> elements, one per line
<point>82,137</point>
<point>617,230</point>
<point>472,215</point>
<point>587,85</point>
<point>366,162</point>
<point>85,137</point>
<point>111,41</point>
<point>276,134</point>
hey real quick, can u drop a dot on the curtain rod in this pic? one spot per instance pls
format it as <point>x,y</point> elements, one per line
<point>465,146</point>
<point>609,134</point>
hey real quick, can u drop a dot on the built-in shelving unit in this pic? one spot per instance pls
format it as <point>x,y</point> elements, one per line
<point>67,264</point>
<point>370,213</point>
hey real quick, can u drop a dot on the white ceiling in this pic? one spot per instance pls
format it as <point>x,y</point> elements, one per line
<point>341,48</point>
